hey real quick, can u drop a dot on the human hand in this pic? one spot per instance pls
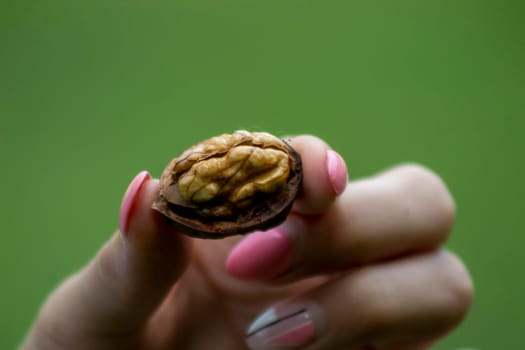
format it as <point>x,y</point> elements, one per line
<point>357,266</point>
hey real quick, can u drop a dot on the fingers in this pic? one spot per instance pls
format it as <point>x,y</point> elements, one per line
<point>404,304</point>
<point>324,174</point>
<point>115,294</point>
<point>404,210</point>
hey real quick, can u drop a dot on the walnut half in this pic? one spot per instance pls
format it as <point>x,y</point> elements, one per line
<point>230,184</point>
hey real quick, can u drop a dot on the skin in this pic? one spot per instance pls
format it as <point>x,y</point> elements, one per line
<point>371,257</point>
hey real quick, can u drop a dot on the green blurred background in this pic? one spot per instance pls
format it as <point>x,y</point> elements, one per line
<point>92,92</point>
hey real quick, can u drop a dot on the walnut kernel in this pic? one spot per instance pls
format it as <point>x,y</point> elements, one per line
<point>230,184</point>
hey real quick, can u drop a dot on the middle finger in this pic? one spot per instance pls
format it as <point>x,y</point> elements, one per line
<point>406,209</point>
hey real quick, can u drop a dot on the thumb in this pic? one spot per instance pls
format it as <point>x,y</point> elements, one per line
<point>116,293</point>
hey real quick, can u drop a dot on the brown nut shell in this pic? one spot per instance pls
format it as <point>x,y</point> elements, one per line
<point>230,184</point>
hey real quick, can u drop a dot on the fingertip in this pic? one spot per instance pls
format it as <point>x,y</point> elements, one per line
<point>325,174</point>
<point>337,171</point>
<point>130,198</point>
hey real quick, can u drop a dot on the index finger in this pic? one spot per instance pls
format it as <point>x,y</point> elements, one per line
<point>324,174</point>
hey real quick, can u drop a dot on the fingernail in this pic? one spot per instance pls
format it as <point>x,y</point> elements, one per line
<point>290,325</point>
<point>128,201</point>
<point>337,171</point>
<point>264,255</point>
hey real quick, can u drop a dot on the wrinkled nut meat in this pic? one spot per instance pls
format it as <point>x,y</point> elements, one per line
<point>230,184</point>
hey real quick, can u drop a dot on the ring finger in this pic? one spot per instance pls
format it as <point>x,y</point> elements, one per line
<point>404,304</point>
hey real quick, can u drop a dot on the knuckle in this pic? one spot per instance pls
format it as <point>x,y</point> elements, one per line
<point>50,329</point>
<point>105,271</point>
<point>459,284</point>
<point>433,192</point>
<point>105,266</point>
<point>441,299</point>
<point>382,313</point>
<point>419,174</point>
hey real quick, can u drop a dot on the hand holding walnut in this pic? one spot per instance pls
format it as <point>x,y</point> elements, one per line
<point>349,268</point>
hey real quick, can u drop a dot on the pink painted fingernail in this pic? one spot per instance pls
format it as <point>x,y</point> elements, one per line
<point>128,201</point>
<point>263,255</point>
<point>337,171</point>
<point>291,325</point>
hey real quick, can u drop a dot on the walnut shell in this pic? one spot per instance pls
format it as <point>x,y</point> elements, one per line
<point>230,184</point>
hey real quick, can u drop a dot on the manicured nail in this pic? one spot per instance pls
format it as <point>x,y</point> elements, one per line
<point>337,171</point>
<point>128,202</point>
<point>290,325</point>
<point>263,255</point>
